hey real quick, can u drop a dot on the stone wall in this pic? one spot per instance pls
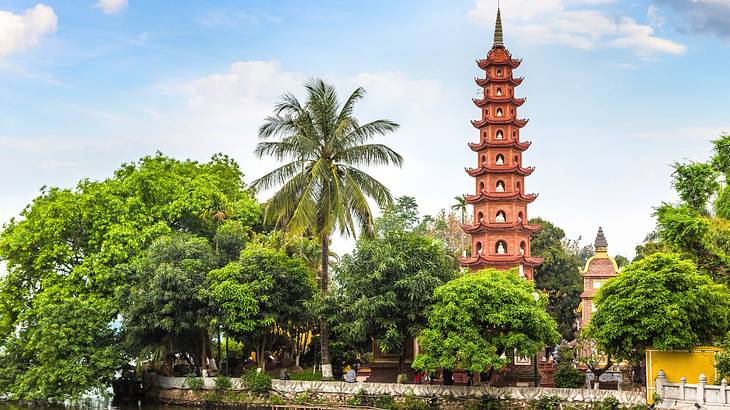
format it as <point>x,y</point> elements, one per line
<point>700,395</point>
<point>167,388</point>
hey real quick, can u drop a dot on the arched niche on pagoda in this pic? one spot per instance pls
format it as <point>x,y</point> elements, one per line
<point>499,135</point>
<point>501,217</point>
<point>500,248</point>
<point>499,186</point>
<point>499,160</point>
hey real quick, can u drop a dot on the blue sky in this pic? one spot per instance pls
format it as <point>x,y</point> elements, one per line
<point>617,90</point>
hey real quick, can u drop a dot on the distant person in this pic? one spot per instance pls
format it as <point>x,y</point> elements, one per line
<point>351,376</point>
<point>284,374</point>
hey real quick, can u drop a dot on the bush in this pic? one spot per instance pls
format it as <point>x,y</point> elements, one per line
<point>193,382</point>
<point>411,402</point>
<point>488,403</point>
<point>257,382</point>
<point>547,402</point>
<point>609,403</point>
<point>568,377</point>
<point>223,383</point>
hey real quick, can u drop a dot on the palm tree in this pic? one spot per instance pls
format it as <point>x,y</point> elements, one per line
<point>460,206</point>
<point>322,188</point>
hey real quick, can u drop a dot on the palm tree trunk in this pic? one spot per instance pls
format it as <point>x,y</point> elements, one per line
<point>324,332</point>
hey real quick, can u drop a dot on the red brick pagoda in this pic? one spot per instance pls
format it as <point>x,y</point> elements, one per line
<point>500,232</point>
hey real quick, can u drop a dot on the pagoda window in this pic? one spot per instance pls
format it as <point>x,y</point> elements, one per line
<point>478,248</point>
<point>484,160</point>
<point>500,113</point>
<point>523,246</point>
<point>519,186</point>
<point>480,217</point>
<point>512,111</point>
<point>500,135</point>
<point>514,134</point>
<point>499,73</point>
<point>517,159</point>
<point>500,186</point>
<point>501,217</point>
<point>500,159</point>
<point>500,248</point>
<point>519,217</point>
<point>499,92</point>
<point>481,186</point>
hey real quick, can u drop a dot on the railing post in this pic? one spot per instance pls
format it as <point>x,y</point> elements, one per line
<point>682,382</point>
<point>723,391</point>
<point>701,389</point>
<point>660,379</point>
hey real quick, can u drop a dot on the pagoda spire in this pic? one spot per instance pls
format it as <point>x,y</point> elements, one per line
<point>601,244</point>
<point>498,35</point>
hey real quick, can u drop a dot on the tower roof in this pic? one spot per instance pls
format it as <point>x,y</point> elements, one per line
<point>498,35</point>
<point>601,242</point>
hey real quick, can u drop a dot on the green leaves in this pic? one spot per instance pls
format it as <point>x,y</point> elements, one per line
<point>661,301</point>
<point>478,317</point>
<point>322,189</point>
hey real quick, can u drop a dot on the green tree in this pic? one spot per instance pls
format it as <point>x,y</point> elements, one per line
<point>621,261</point>
<point>264,293</point>
<point>387,287</point>
<point>478,317</point>
<point>323,190</point>
<point>77,240</point>
<point>461,207</point>
<point>66,347</point>
<point>695,183</point>
<point>558,276</point>
<point>168,310</point>
<point>661,301</point>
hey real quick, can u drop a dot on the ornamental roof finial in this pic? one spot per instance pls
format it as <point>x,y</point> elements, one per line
<point>498,35</point>
<point>601,243</point>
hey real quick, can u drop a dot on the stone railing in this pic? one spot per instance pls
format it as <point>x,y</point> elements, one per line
<point>700,395</point>
<point>420,390</point>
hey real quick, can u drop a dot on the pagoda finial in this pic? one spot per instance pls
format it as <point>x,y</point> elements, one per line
<point>601,243</point>
<point>498,35</point>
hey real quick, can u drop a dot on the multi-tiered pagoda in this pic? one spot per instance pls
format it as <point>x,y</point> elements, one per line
<point>500,232</point>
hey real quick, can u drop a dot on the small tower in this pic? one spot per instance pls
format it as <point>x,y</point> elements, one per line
<point>500,233</point>
<point>598,269</point>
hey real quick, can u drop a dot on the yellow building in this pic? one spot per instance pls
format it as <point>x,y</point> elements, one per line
<point>678,364</point>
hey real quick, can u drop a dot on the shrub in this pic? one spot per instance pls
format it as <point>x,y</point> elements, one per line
<point>609,403</point>
<point>257,382</point>
<point>488,403</point>
<point>276,400</point>
<point>569,377</point>
<point>411,402</point>
<point>384,402</point>
<point>223,383</point>
<point>193,382</point>
<point>547,402</point>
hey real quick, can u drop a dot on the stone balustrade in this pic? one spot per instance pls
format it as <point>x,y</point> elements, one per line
<point>292,387</point>
<point>681,395</point>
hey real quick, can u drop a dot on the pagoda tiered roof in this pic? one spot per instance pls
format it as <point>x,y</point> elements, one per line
<point>499,227</point>
<point>500,169</point>
<point>519,123</point>
<point>481,103</point>
<point>502,260</point>
<point>512,143</point>
<point>500,196</point>
<point>485,63</point>
<point>483,82</point>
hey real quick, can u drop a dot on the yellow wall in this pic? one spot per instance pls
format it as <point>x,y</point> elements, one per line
<point>678,364</point>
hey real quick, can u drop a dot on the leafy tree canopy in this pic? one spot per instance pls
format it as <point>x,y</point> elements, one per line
<point>386,286</point>
<point>559,274</point>
<point>478,317</point>
<point>661,301</point>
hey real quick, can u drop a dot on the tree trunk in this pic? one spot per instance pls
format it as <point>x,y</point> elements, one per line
<point>401,364</point>
<point>204,351</point>
<point>324,332</point>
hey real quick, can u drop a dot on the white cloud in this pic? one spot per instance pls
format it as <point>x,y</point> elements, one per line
<point>111,6</point>
<point>19,32</point>
<point>568,22</point>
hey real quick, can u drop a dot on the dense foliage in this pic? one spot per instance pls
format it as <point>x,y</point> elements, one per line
<point>478,317</point>
<point>323,188</point>
<point>386,286</point>
<point>662,302</point>
<point>559,274</point>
